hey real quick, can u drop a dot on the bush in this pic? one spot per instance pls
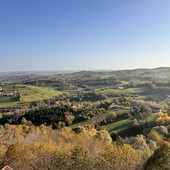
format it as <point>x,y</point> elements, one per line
<point>79,129</point>
<point>160,159</point>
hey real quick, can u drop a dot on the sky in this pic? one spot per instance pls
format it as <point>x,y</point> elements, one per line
<point>84,34</point>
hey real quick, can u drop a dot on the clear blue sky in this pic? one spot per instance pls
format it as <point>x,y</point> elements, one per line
<point>84,34</point>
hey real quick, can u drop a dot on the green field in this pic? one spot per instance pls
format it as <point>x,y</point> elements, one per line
<point>34,93</point>
<point>121,127</point>
<point>30,93</point>
<point>7,104</point>
<point>8,87</point>
<point>108,91</point>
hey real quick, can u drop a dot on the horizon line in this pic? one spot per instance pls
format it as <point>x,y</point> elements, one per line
<point>79,70</point>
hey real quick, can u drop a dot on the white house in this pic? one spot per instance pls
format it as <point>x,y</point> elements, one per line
<point>114,106</point>
<point>156,110</point>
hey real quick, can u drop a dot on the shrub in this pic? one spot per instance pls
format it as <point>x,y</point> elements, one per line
<point>160,159</point>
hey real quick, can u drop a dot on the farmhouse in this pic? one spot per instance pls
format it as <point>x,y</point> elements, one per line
<point>7,93</point>
<point>114,106</point>
<point>7,168</point>
<point>156,110</point>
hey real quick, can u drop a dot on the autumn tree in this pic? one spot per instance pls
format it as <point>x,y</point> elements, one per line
<point>160,159</point>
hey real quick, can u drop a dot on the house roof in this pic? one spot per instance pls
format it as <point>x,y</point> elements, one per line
<point>6,168</point>
<point>156,108</point>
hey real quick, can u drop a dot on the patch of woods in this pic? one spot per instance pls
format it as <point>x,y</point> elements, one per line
<point>31,148</point>
<point>45,115</point>
<point>88,96</point>
<point>55,134</point>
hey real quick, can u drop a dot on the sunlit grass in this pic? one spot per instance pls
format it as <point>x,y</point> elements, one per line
<point>34,93</point>
<point>119,126</point>
<point>142,90</point>
<point>7,104</point>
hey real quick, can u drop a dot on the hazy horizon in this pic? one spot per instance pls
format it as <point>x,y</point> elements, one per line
<point>77,70</point>
<point>84,35</point>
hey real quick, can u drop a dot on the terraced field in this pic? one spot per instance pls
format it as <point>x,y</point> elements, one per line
<point>121,127</point>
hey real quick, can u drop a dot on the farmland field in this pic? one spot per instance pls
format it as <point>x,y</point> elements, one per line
<point>121,127</point>
<point>34,93</point>
<point>7,104</point>
<point>29,93</point>
<point>108,91</point>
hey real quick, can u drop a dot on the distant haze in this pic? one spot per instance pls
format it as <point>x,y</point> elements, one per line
<point>80,35</point>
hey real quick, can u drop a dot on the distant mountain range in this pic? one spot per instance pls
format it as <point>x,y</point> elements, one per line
<point>156,73</point>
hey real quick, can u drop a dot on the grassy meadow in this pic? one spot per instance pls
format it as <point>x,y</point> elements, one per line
<point>29,93</point>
